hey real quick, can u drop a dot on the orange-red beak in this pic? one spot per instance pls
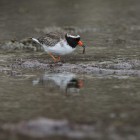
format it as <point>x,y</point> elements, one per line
<point>80,43</point>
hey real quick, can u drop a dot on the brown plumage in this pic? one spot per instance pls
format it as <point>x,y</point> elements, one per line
<point>52,38</point>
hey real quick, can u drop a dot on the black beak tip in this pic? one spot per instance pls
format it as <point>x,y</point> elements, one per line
<point>84,49</point>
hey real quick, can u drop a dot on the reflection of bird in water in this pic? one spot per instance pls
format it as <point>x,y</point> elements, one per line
<point>65,81</point>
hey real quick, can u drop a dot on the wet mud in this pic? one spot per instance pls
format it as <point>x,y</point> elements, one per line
<point>29,57</point>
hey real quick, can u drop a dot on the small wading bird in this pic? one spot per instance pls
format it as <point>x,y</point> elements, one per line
<point>58,44</point>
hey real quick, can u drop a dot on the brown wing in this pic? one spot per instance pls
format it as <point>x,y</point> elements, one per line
<point>52,38</point>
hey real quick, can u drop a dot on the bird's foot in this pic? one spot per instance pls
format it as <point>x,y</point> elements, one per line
<point>56,59</point>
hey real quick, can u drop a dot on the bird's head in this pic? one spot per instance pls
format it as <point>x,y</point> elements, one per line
<point>75,83</point>
<point>73,41</point>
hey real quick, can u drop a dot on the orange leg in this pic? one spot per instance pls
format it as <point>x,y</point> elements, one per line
<point>55,59</point>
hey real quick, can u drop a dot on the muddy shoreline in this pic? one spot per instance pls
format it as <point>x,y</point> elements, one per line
<point>28,57</point>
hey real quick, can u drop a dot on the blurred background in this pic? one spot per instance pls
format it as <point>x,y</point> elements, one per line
<point>102,19</point>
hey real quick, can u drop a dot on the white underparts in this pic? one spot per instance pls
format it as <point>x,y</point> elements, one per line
<point>61,48</point>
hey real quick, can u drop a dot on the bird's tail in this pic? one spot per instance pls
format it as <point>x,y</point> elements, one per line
<point>36,40</point>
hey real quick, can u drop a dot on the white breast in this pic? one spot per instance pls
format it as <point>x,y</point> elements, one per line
<point>61,48</point>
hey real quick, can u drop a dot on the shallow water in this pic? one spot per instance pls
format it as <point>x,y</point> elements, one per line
<point>45,95</point>
<point>100,103</point>
<point>91,96</point>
